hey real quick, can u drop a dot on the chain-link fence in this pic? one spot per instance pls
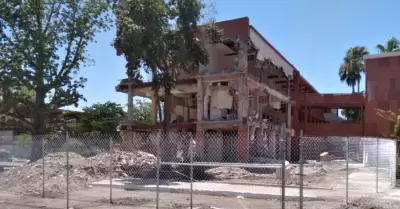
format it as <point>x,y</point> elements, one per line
<point>264,164</point>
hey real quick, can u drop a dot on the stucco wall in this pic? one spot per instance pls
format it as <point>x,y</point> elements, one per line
<point>267,52</point>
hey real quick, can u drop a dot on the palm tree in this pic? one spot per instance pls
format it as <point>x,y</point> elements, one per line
<point>347,75</point>
<point>392,45</point>
<point>353,66</point>
<point>351,72</point>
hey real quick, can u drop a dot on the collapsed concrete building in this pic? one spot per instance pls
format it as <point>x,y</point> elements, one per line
<point>242,91</point>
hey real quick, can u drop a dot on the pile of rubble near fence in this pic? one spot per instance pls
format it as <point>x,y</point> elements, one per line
<point>28,178</point>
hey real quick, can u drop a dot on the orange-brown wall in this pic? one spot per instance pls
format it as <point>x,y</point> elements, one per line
<point>382,91</point>
<point>333,129</point>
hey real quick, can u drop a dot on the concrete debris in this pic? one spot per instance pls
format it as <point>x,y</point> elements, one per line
<point>325,157</point>
<point>228,173</point>
<point>264,160</point>
<point>125,163</point>
<point>5,155</point>
<point>28,178</point>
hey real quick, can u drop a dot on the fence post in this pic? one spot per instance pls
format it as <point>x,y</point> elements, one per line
<point>43,169</point>
<point>347,170</point>
<point>191,173</point>
<point>67,156</point>
<point>283,166</point>
<point>158,171</point>
<point>301,167</point>
<point>377,166</point>
<point>111,169</point>
<point>394,178</point>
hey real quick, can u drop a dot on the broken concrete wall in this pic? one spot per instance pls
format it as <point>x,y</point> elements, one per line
<point>218,102</point>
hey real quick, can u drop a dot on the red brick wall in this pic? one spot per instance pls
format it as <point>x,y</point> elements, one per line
<point>383,92</point>
<point>334,129</point>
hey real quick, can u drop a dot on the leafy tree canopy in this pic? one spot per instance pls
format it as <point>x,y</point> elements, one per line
<point>142,112</point>
<point>100,118</point>
<point>43,45</point>
<point>159,36</point>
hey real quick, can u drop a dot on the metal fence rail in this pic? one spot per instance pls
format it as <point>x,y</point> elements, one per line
<point>269,159</point>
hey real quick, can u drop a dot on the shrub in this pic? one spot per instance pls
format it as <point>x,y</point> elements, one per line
<point>23,140</point>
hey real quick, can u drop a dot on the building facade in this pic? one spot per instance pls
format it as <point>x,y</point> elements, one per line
<point>382,91</point>
<point>248,88</point>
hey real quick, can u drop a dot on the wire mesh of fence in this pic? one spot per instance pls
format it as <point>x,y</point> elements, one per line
<point>194,160</point>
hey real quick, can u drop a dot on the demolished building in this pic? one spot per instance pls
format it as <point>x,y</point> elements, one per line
<point>242,90</point>
<point>243,95</point>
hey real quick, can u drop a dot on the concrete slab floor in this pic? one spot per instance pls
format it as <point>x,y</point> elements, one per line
<point>210,188</point>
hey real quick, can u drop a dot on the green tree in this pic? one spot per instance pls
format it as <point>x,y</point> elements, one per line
<point>17,103</point>
<point>350,72</point>
<point>142,112</point>
<point>392,45</point>
<point>159,35</point>
<point>43,45</point>
<point>100,118</point>
<point>391,116</point>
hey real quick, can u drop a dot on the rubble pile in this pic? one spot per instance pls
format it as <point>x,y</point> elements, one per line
<point>229,173</point>
<point>28,179</point>
<point>124,163</point>
<point>5,155</point>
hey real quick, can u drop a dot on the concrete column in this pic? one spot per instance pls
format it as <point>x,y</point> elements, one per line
<point>130,99</point>
<point>200,100</point>
<point>206,97</point>
<point>185,114</point>
<point>200,114</point>
<point>243,107</point>
<point>199,149</point>
<point>257,102</point>
<point>243,132</point>
<point>243,143</point>
<point>153,110</point>
<point>242,60</point>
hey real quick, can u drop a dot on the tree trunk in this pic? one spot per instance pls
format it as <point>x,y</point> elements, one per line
<point>352,88</point>
<point>38,126</point>
<point>167,146</point>
<point>358,86</point>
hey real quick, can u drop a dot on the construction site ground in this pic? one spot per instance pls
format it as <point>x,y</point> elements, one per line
<point>229,188</point>
<point>97,198</point>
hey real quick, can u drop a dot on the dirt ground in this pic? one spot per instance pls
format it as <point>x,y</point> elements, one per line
<point>96,198</point>
<point>327,175</point>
